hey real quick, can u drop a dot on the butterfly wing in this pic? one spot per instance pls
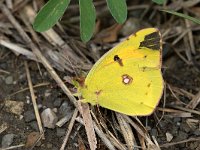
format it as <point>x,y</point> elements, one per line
<point>128,78</point>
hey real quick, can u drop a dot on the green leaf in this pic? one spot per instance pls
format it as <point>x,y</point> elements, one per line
<point>183,16</point>
<point>158,1</point>
<point>118,9</point>
<point>50,13</point>
<point>87,19</point>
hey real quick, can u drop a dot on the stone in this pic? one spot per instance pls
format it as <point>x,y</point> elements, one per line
<point>197,132</point>
<point>177,119</point>
<point>29,116</point>
<point>3,65</point>
<point>9,80</point>
<point>60,132</point>
<point>65,108</point>
<point>154,132</point>
<point>57,102</point>
<point>49,145</point>
<point>47,93</point>
<point>49,118</point>
<point>7,140</point>
<point>34,125</point>
<point>169,136</point>
<point>15,107</point>
<point>55,110</point>
<point>39,106</point>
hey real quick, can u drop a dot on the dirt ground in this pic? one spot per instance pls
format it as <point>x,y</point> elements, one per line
<point>174,125</point>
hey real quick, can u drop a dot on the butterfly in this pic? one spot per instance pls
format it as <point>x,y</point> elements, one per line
<point>128,78</point>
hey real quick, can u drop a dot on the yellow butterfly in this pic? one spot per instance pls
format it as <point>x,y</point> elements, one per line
<point>128,78</point>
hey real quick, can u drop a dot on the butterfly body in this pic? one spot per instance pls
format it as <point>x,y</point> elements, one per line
<point>128,78</point>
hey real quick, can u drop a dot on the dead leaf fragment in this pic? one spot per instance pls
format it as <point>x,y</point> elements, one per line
<point>31,139</point>
<point>87,119</point>
<point>108,35</point>
<point>126,131</point>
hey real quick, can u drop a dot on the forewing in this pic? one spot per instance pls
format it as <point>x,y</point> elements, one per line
<point>128,78</point>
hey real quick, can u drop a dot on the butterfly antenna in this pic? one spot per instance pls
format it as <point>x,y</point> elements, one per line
<point>76,74</point>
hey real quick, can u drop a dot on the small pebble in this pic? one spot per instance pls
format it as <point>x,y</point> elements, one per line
<point>29,116</point>
<point>14,82</point>
<point>60,132</point>
<point>22,76</point>
<point>44,107</point>
<point>55,110</point>
<point>9,80</point>
<point>21,117</point>
<point>177,119</point>
<point>49,145</point>
<point>197,132</point>
<point>39,106</point>
<point>47,93</point>
<point>57,102</point>
<point>154,132</point>
<point>49,118</point>
<point>4,65</point>
<point>7,140</point>
<point>45,74</point>
<point>65,108</point>
<point>28,99</point>
<point>169,136</point>
<point>34,125</point>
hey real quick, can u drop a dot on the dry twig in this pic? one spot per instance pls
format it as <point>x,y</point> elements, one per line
<point>69,129</point>
<point>33,98</point>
